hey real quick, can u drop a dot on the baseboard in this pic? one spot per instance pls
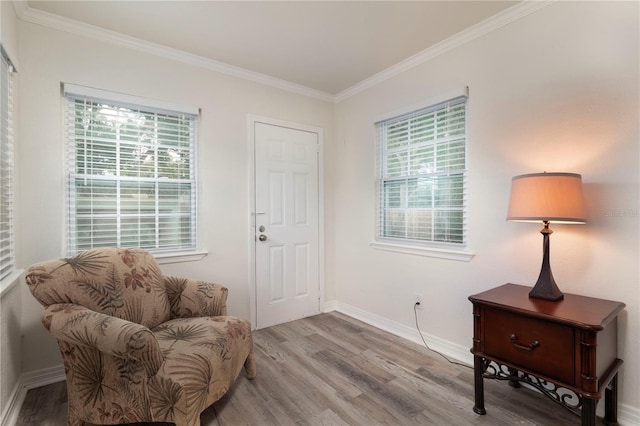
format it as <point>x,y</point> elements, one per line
<point>627,415</point>
<point>30,380</point>
<point>10,412</point>
<point>451,350</point>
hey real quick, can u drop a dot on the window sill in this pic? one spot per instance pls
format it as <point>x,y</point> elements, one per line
<point>439,253</point>
<point>10,281</point>
<point>180,257</point>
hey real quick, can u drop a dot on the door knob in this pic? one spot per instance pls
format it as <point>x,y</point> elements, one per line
<point>261,229</point>
<point>262,237</point>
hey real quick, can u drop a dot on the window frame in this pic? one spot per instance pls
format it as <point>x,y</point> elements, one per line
<point>142,106</point>
<point>8,269</point>
<point>422,247</point>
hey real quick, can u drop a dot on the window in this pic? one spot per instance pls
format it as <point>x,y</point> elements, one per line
<point>421,176</point>
<point>131,173</point>
<point>7,250</point>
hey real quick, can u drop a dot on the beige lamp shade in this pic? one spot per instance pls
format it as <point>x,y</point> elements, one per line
<point>554,197</point>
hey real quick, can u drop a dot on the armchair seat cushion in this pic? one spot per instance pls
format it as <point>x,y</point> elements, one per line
<point>202,356</point>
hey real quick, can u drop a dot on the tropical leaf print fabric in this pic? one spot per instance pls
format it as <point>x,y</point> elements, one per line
<point>138,346</point>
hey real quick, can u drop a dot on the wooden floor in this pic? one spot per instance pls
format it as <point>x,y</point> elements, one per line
<point>331,369</point>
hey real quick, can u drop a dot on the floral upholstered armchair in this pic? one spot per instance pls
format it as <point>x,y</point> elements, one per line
<point>138,346</point>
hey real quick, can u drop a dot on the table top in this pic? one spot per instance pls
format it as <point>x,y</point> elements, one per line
<point>577,311</point>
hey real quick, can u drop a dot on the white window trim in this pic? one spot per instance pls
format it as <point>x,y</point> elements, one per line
<point>7,154</point>
<point>124,98</point>
<point>427,249</point>
<point>162,256</point>
<point>10,281</point>
<point>426,103</point>
<point>180,257</point>
<point>461,255</point>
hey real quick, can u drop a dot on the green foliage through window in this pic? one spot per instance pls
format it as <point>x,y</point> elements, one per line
<point>131,176</point>
<point>422,175</point>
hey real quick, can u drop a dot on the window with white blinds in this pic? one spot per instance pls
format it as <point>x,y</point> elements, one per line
<point>421,169</point>
<point>7,249</point>
<point>131,176</point>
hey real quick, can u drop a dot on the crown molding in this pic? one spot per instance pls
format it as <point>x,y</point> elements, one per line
<point>20,6</point>
<point>493,23</point>
<point>39,17</point>
<point>518,11</point>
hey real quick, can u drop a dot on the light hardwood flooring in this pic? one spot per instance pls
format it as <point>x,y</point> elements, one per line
<point>331,369</point>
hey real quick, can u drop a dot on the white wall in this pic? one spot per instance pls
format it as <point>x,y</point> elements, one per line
<point>555,91</point>
<point>9,30</point>
<point>10,301</point>
<point>10,344</point>
<point>49,57</point>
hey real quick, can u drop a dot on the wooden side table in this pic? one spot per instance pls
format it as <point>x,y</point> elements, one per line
<point>565,349</point>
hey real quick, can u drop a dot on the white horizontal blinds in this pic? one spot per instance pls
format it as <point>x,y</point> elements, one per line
<point>7,260</point>
<point>132,180</point>
<point>422,174</point>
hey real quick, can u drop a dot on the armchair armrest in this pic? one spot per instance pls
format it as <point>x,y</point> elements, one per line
<point>192,298</point>
<point>111,335</point>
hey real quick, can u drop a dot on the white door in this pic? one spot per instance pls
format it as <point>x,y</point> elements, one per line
<point>286,224</point>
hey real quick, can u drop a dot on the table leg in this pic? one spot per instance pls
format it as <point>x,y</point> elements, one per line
<point>611,402</point>
<point>589,411</point>
<point>478,370</point>
<point>513,376</point>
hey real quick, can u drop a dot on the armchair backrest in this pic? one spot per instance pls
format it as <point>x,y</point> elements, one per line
<point>124,283</point>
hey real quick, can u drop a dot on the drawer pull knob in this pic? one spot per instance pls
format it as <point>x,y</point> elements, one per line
<point>530,347</point>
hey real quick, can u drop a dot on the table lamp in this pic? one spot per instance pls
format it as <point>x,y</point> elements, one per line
<point>546,197</point>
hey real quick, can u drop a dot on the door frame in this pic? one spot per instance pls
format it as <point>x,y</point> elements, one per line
<point>252,119</point>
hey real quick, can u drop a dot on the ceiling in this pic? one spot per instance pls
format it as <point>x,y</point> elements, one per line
<point>327,46</point>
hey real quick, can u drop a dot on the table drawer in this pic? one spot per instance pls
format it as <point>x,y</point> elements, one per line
<point>539,346</point>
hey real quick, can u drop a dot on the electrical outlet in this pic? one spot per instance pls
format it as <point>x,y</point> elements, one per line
<point>418,301</point>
